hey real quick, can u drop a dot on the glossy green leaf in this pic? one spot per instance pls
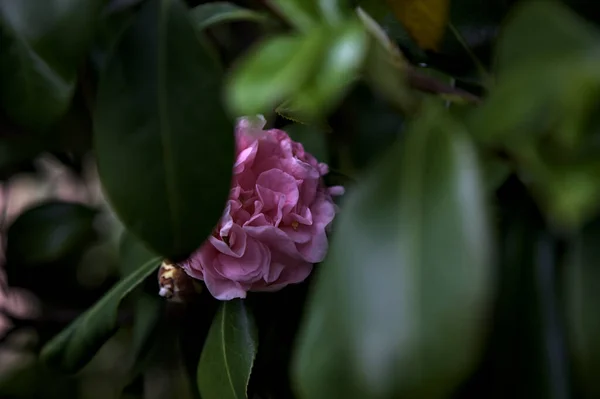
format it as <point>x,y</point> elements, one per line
<point>76,345</point>
<point>582,300</point>
<point>43,46</point>
<point>228,353</point>
<point>339,66</point>
<point>164,143</point>
<point>50,231</point>
<point>541,32</point>
<point>209,14</point>
<point>399,305</point>
<point>273,71</point>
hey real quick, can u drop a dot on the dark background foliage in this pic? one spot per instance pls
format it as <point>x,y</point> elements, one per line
<point>464,261</point>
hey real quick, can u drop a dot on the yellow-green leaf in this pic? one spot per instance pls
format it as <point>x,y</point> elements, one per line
<point>425,20</point>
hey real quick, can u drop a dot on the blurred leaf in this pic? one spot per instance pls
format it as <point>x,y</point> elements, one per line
<point>548,79</point>
<point>273,71</point>
<point>525,355</point>
<point>309,73</point>
<point>582,298</point>
<point>77,344</point>
<point>425,20</point>
<point>410,260</point>
<point>542,110</point>
<point>228,354</point>
<point>209,14</point>
<point>495,171</point>
<point>49,232</point>
<point>308,14</point>
<point>339,66</point>
<point>44,43</point>
<point>542,32</point>
<point>163,142</point>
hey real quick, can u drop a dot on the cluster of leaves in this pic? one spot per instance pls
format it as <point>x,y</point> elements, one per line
<point>462,263</point>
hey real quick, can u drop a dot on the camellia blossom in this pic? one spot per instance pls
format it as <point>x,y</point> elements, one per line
<point>274,227</point>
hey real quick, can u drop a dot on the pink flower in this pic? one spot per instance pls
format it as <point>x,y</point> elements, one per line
<point>274,226</point>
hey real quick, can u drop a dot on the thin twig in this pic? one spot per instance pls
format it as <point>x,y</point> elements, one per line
<point>485,75</point>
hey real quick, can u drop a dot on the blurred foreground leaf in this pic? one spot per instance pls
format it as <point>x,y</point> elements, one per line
<point>228,353</point>
<point>163,141</point>
<point>308,74</point>
<point>542,110</point>
<point>410,260</point>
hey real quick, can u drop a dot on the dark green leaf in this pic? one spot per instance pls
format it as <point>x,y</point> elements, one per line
<point>228,354</point>
<point>209,14</point>
<point>49,232</point>
<point>43,45</point>
<point>76,345</point>
<point>163,141</point>
<point>399,304</point>
<point>583,297</point>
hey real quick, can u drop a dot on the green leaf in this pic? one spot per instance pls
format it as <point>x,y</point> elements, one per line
<point>228,353</point>
<point>76,345</point>
<point>399,305</point>
<point>310,73</point>
<point>339,66</point>
<point>308,14</point>
<point>163,141</point>
<point>582,299</point>
<point>541,32</point>
<point>44,44</point>
<point>273,71</point>
<point>49,232</point>
<point>209,14</point>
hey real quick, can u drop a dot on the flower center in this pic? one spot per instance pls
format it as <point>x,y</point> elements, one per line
<point>295,225</point>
